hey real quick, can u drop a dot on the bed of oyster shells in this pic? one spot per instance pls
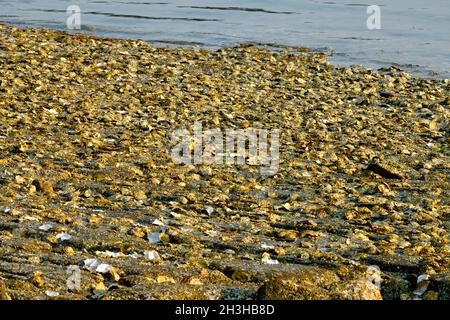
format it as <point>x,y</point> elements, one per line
<point>87,182</point>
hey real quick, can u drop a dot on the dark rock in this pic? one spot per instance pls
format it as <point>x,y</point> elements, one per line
<point>386,94</point>
<point>291,289</point>
<point>307,288</point>
<point>241,276</point>
<point>384,171</point>
<point>396,263</point>
<point>43,186</point>
<point>4,291</point>
<point>392,288</point>
<point>441,284</point>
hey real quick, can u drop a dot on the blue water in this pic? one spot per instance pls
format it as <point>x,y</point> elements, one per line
<point>414,35</point>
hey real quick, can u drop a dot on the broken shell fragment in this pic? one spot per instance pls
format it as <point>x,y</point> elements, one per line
<point>45,227</point>
<point>154,237</point>
<point>63,236</point>
<point>51,293</point>
<point>152,255</point>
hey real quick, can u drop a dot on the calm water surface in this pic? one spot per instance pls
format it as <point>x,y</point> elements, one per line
<point>414,35</point>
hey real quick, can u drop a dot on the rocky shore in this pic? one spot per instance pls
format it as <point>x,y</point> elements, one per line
<point>93,207</point>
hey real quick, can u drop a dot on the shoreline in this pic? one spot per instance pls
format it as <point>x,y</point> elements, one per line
<point>87,180</point>
<point>415,70</point>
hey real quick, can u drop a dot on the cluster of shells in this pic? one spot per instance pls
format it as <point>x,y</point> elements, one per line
<point>87,180</point>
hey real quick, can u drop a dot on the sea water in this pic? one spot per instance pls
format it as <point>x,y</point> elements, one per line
<point>412,34</point>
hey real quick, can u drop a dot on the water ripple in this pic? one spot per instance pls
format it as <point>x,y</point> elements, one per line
<point>238,9</point>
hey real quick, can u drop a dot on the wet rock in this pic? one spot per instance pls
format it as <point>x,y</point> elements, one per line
<point>4,291</point>
<point>324,286</point>
<point>392,288</point>
<point>360,290</point>
<point>291,289</point>
<point>43,186</point>
<point>386,94</point>
<point>192,280</point>
<point>384,170</point>
<point>440,283</point>
<point>431,295</point>
<point>140,195</point>
<point>240,276</point>
<point>37,279</point>
<point>397,263</point>
<point>290,235</point>
<point>167,291</point>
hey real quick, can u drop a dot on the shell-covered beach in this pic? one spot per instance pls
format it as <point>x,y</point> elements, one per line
<point>87,181</point>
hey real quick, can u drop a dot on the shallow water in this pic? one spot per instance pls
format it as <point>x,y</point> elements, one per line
<point>414,34</point>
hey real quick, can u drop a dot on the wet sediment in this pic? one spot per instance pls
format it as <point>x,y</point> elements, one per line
<point>87,181</point>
